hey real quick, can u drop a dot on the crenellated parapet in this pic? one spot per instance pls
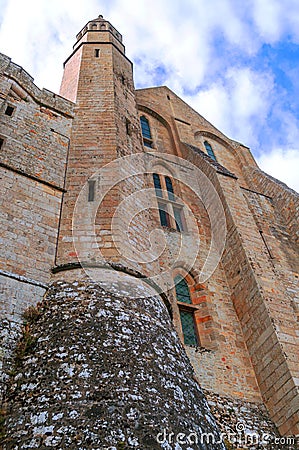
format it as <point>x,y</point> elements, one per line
<point>19,81</point>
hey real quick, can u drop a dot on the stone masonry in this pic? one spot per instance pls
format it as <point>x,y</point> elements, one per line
<point>81,215</point>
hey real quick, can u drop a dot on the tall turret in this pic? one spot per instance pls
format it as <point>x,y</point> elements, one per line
<point>98,77</point>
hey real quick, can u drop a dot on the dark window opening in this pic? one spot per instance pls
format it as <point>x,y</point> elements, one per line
<point>169,188</point>
<point>157,184</point>
<point>97,52</point>
<point>171,213</point>
<point>91,190</point>
<point>164,216</point>
<point>1,142</point>
<point>128,127</point>
<point>9,110</point>
<point>146,132</point>
<point>210,150</point>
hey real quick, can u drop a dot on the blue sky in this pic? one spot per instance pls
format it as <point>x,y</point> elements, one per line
<point>235,62</point>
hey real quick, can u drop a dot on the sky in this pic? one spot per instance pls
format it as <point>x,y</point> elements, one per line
<point>234,61</point>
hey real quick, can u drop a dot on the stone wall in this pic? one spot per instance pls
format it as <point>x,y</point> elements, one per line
<point>97,370</point>
<point>35,127</point>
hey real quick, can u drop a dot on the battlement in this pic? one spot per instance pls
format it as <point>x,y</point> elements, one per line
<point>23,85</point>
<point>99,24</point>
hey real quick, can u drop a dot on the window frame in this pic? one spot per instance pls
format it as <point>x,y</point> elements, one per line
<point>145,127</point>
<point>187,307</point>
<point>2,142</point>
<point>209,150</point>
<point>190,311</point>
<point>9,110</point>
<point>170,205</point>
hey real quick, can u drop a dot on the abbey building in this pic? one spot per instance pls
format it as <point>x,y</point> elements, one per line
<point>156,264</point>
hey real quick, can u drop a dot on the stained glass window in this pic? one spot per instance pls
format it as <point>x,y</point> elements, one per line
<point>182,290</point>
<point>188,326</point>
<point>209,150</point>
<point>146,131</point>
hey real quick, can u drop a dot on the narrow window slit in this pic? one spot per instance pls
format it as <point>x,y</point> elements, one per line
<point>91,190</point>
<point>266,244</point>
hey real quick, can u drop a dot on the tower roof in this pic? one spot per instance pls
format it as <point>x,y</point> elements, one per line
<point>99,24</point>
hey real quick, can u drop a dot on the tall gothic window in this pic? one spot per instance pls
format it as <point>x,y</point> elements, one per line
<point>170,210</point>
<point>186,311</point>
<point>146,132</point>
<point>210,150</point>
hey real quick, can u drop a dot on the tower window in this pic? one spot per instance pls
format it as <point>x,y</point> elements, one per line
<point>9,110</point>
<point>210,150</point>
<point>186,313</point>
<point>157,184</point>
<point>146,132</point>
<point>169,188</point>
<point>170,212</point>
<point>1,142</point>
<point>97,53</point>
<point>91,190</point>
<point>164,216</point>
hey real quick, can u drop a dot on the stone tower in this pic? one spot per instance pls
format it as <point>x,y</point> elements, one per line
<point>168,259</point>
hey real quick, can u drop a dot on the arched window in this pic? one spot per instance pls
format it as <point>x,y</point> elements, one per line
<point>210,150</point>
<point>157,184</point>
<point>146,132</point>
<point>170,211</point>
<point>186,312</point>
<point>169,188</point>
<point>182,290</point>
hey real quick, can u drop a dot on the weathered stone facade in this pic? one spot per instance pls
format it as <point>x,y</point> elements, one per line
<point>80,206</point>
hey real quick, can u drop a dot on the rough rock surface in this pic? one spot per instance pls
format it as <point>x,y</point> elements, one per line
<point>247,425</point>
<point>104,371</point>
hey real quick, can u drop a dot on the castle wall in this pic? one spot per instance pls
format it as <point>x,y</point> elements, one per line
<point>34,128</point>
<point>260,301</point>
<point>222,364</point>
<point>189,126</point>
<point>260,264</point>
<point>66,205</point>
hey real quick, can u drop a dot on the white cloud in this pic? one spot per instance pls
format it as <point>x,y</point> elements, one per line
<point>198,44</point>
<point>238,104</point>
<point>273,18</point>
<point>282,164</point>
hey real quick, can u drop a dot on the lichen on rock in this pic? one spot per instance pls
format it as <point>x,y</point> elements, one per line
<point>106,371</point>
